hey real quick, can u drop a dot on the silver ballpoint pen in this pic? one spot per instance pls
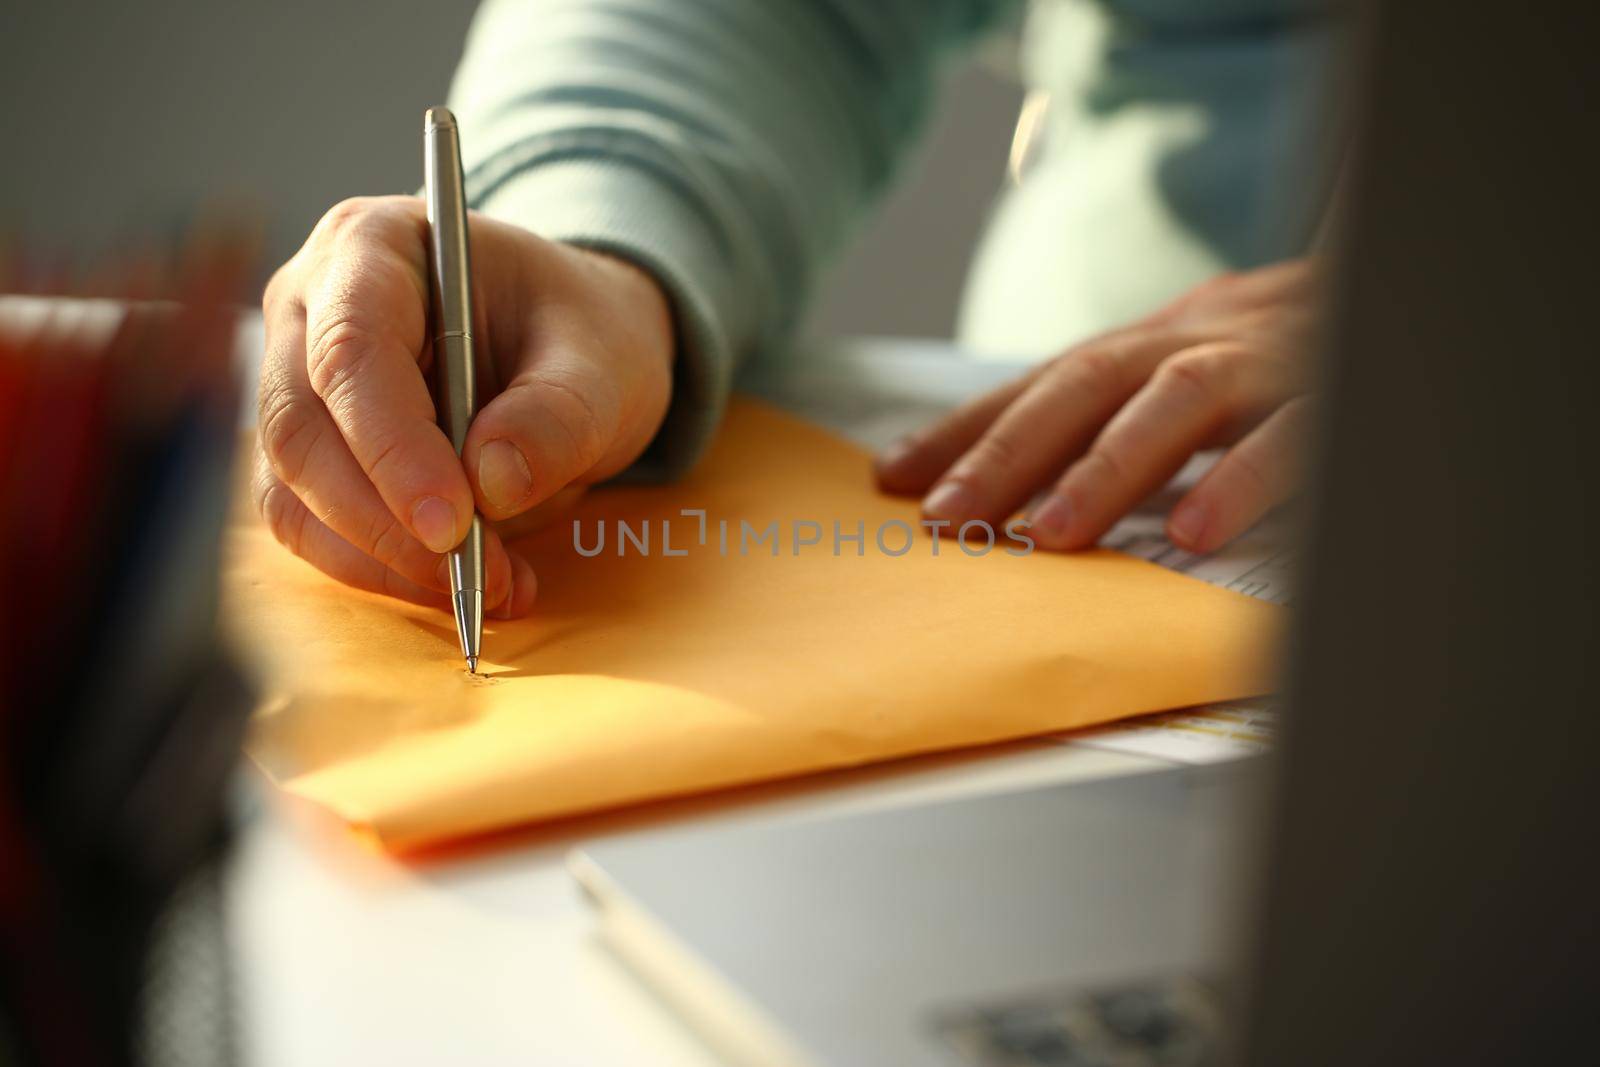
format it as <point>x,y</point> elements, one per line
<point>450,286</point>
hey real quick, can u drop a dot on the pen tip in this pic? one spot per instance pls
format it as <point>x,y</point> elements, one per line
<point>472,664</point>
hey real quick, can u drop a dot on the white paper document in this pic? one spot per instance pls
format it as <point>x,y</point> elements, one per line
<point>1256,564</point>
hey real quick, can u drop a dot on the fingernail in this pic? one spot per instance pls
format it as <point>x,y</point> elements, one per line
<point>952,500</point>
<point>503,475</point>
<point>1051,519</point>
<point>1187,523</point>
<point>894,455</point>
<point>434,522</point>
<point>442,575</point>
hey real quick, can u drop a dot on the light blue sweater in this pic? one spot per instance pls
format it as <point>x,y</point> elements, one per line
<point>731,146</point>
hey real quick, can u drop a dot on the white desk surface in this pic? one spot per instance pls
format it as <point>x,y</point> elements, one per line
<point>345,956</point>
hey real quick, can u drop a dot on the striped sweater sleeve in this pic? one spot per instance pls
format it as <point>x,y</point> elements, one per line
<point>727,146</point>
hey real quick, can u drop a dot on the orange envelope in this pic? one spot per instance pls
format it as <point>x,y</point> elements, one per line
<point>644,675</point>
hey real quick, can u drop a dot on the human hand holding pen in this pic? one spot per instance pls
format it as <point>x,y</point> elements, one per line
<point>353,472</point>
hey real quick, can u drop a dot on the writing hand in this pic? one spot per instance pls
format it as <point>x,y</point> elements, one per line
<point>353,473</point>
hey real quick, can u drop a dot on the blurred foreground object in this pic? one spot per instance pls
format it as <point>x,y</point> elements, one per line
<point>120,720</point>
<point>1433,898</point>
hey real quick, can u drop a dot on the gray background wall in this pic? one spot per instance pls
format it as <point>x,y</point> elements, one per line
<point>122,116</point>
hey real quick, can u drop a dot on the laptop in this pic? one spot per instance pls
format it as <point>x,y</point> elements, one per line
<point>1076,924</point>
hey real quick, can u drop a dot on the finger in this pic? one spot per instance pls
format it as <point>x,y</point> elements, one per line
<point>1257,474</point>
<point>1290,281</point>
<point>308,454</point>
<point>556,423</point>
<point>523,592</point>
<point>1053,419</point>
<point>537,518</point>
<point>911,464</point>
<point>295,527</point>
<point>1188,397</point>
<point>299,531</point>
<point>366,322</point>
<point>507,578</point>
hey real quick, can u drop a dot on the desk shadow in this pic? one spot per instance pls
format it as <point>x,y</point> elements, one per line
<point>440,862</point>
<point>495,669</point>
<point>446,634</point>
<point>514,651</point>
